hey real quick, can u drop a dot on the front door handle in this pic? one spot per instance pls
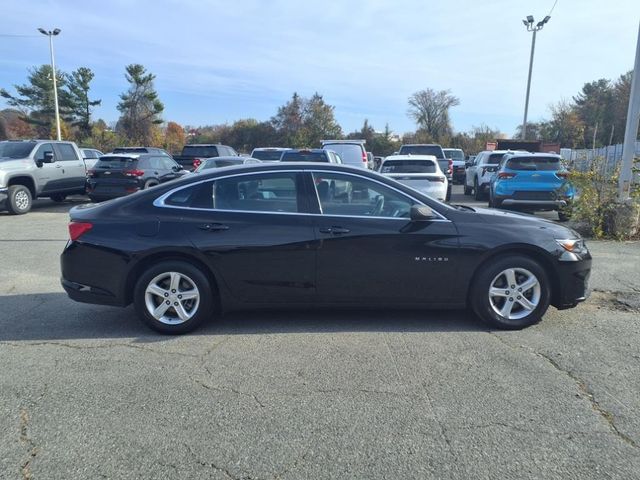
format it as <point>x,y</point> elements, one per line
<point>334,230</point>
<point>213,227</point>
<point>58,166</point>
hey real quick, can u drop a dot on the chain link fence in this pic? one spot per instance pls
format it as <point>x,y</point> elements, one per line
<point>582,159</point>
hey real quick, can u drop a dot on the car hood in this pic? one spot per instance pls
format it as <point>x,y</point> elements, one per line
<point>6,162</point>
<point>513,219</point>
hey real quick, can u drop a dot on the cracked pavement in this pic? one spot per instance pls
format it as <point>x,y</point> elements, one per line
<point>88,392</point>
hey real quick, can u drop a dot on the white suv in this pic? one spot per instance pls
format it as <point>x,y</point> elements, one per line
<point>420,172</point>
<point>479,172</point>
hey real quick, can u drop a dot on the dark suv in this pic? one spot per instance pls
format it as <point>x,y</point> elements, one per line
<point>141,150</point>
<point>119,175</point>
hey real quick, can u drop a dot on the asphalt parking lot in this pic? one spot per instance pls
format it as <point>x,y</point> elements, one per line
<point>89,392</point>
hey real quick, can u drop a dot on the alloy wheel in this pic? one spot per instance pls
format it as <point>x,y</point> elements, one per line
<point>514,293</point>
<point>172,298</point>
<point>22,200</point>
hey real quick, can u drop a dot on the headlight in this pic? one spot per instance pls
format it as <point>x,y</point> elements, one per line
<point>574,245</point>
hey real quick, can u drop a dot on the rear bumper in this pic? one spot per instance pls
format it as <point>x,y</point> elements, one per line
<point>534,203</point>
<point>88,294</point>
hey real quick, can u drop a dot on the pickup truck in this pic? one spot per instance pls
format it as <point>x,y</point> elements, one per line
<point>446,164</point>
<point>39,168</point>
<point>194,155</point>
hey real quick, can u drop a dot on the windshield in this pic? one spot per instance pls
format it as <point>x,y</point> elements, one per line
<point>434,150</point>
<point>348,152</point>
<point>114,163</point>
<point>534,163</point>
<point>267,155</point>
<point>16,149</point>
<point>408,166</point>
<point>200,151</point>
<point>454,154</point>
<point>304,157</point>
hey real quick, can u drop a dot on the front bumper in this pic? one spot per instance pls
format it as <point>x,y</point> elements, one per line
<point>534,203</point>
<point>572,282</point>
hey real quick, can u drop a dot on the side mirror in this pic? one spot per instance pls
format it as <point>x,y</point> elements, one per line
<point>421,213</point>
<point>176,168</point>
<point>48,157</point>
<point>468,163</point>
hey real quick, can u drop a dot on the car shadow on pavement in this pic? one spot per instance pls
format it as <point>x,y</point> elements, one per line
<point>53,316</point>
<point>44,205</point>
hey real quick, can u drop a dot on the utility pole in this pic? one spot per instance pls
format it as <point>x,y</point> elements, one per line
<point>531,28</point>
<point>631,130</point>
<point>52,34</point>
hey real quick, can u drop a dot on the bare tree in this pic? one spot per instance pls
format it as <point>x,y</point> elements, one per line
<point>430,110</point>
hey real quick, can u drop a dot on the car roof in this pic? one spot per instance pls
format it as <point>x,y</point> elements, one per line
<point>124,154</point>
<point>534,154</point>
<point>310,150</point>
<point>458,149</point>
<point>227,158</point>
<point>206,145</point>
<point>270,149</point>
<point>420,145</point>
<point>411,157</point>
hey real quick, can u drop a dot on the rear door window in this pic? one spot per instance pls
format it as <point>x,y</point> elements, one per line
<point>67,152</point>
<point>304,157</point>
<point>434,150</point>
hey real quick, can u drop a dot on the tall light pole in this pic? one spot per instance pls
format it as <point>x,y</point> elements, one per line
<point>531,28</point>
<point>51,34</point>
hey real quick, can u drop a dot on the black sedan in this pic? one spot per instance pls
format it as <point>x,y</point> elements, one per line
<point>272,235</point>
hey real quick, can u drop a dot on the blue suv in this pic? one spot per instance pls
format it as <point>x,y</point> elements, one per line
<point>532,181</point>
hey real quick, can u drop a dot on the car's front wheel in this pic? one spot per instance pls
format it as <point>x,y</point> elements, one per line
<point>173,297</point>
<point>511,293</point>
<point>467,190</point>
<point>58,197</point>
<point>19,200</point>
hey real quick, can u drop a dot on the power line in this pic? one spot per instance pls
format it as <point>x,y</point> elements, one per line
<point>554,6</point>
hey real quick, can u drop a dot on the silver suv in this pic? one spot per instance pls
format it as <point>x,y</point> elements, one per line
<point>39,168</point>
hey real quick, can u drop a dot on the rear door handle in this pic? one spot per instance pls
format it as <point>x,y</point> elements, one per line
<point>213,227</point>
<point>334,230</point>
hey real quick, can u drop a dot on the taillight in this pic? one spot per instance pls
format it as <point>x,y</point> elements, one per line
<point>77,229</point>
<point>196,162</point>
<point>506,175</point>
<point>133,173</point>
<point>450,166</point>
<point>91,173</point>
<point>564,175</point>
<point>440,179</point>
<point>364,156</point>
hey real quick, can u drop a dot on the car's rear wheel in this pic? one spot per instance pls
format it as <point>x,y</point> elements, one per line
<point>467,190</point>
<point>58,197</point>
<point>564,213</point>
<point>19,200</point>
<point>150,184</point>
<point>173,297</point>
<point>476,190</point>
<point>511,293</point>
<point>447,198</point>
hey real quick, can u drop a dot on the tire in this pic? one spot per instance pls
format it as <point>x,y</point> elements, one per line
<point>476,190</point>
<point>447,198</point>
<point>564,213</point>
<point>150,183</point>
<point>19,200</point>
<point>467,190</point>
<point>494,274</point>
<point>58,197</point>
<point>195,310</point>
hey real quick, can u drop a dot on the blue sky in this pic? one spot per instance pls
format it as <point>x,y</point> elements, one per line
<point>218,61</point>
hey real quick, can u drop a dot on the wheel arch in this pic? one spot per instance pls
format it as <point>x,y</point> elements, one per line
<point>25,180</point>
<point>534,253</point>
<point>164,256</point>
